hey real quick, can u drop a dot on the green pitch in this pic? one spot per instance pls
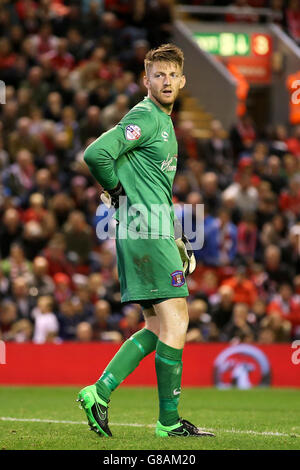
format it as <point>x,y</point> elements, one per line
<point>49,418</point>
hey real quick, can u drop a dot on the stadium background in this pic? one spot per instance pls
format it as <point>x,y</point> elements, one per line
<point>72,70</point>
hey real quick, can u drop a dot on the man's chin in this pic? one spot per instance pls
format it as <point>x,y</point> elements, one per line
<point>167,99</point>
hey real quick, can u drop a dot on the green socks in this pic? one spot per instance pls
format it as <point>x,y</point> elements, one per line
<point>125,361</point>
<point>168,370</point>
<point>168,366</point>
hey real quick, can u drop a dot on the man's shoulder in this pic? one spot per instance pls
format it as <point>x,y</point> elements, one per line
<point>143,109</point>
<point>140,119</point>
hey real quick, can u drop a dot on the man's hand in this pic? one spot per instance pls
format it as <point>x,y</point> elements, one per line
<point>185,249</point>
<point>186,254</point>
<point>110,197</point>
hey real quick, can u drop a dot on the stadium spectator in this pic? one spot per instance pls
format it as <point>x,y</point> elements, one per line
<point>84,332</point>
<point>222,307</point>
<point>243,193</point>
<point>244,289</point>
<point>278,142</point>
<point>45,321</point>
<point>22,331</point>
<point>22,299</point>
<point>218,152</point>
<point>281,329</point>
<point>273,174</point>
<point>91,126</point>
<point>23,139</point>
<point>286,304</point>
<point>292,13</point>
<point>10,231</point>
<point>78,236</point>
<point>8,317</point>
<point>290,199</point>
<point>200,328</point>
<point>247,238</point>
<point>104,325</point>
<point>16,265</point>
<point>210,192</point>
<point>35,82</point>
<point>68,319</point>
<point>40,283</point>
<point>276,270</point>
<point>63,288</point>
<point>238,328</point>
<point>18,177</point>
<point>132,321</point>
<point>257,315</point>
<point>220,242</point>
<point>114,112</point>
<point>242,136</point>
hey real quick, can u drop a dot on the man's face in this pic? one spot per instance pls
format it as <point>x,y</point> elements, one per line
<point>163,81</point>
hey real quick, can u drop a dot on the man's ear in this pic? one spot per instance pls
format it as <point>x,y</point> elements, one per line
<point>182,82</point>
<point>146,81</point>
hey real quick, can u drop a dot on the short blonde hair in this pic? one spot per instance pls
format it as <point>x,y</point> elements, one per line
<point>164,53</point>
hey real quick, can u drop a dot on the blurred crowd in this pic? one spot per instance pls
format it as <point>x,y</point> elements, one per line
<point>72,71</point>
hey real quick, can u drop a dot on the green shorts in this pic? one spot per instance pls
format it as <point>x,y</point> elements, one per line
<point>149,269</point>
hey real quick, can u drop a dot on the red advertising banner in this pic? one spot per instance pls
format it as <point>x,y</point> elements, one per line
<point>257,70</point>
<point>223,365</point>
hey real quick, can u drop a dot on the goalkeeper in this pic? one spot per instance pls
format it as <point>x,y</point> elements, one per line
<point>137,159</point>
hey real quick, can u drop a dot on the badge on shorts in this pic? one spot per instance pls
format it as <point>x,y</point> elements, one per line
<point>132,132</point>
<point>177,278</point>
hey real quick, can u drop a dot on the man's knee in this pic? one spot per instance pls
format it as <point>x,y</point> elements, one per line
<point>173,315</point>
<point>151,320</point>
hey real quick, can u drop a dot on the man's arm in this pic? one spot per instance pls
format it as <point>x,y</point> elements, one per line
<point>101,162</point>
<point>133,131</point>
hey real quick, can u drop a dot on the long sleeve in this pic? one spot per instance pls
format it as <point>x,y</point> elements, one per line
<point>101,163</point>
<point>134,130</point>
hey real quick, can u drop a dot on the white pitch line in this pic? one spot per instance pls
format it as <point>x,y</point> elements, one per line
<point>137,425</point>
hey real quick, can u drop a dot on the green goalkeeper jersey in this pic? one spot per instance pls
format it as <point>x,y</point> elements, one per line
<point>141,153</point>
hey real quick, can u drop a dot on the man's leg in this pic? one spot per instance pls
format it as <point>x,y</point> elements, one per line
<point>173,318</point>
<point>94,398</point>
<point>128,357</point>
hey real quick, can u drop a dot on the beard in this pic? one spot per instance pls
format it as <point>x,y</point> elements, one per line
<point>166,101</point>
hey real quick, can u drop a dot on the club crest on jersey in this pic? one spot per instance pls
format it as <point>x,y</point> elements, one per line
<point>132,132</point>
<point>177,278</point>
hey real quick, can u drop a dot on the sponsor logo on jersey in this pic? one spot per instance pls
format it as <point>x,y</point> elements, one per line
<point>166,164</point>
<point>132,132</point>
<point>177,278</point>
<point>165,136</point>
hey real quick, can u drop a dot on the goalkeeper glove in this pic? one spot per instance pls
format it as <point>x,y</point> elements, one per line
<point>185,249</point>
<point>110,197</point>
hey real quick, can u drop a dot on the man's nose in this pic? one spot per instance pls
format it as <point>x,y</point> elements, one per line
<point>167,80</point>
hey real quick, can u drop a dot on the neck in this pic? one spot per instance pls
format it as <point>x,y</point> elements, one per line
<point>167,108</point>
